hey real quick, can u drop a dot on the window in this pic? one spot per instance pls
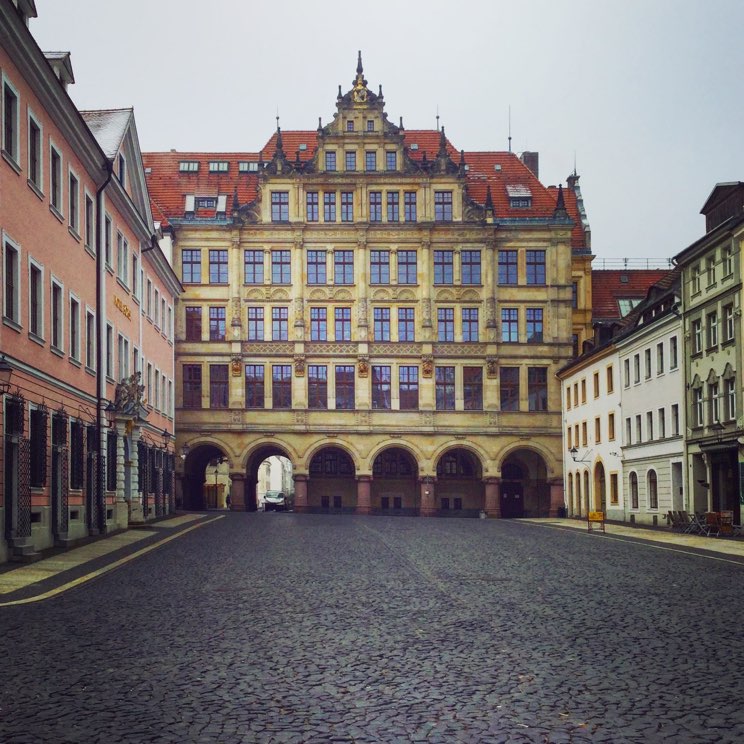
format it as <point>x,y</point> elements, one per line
<point>595,383</point>
<point>610,380</point>
<point>253,267</point>
<point>712,329</point>
<point>673,352</point>
<point>217,329</point>
<point>628,431</point>
<point>57,316</point>
<point>444,380</point>
<point>254,386</point>
<point>188,166</point>
<point>639,432</point>
<point>329,207</point>
<point>649,426</point>
<point>728,323</point>
<point>343,267</point>
<point>393,206</point>
<point>218,266</point>
<point>345,387</point>
<point>281,268</point>
<point>598,430</point>
<point>90,340</point>
<point>279,323</point>
<point>375,206</point>
<point>568,398</point>
<point>75,329</point>
<point>317,386</point>
<point>55,177</point>
<point>443,261</point>
<point>123,357</point>
<point>470,324</point>
<point>110,351</point>
<point>611,426</point>
<point>316,267</point>
<point>135,276</point>
<point>446,324</point>
<point>409,206</point>
<point>370,125</point>
<point>280,206</point>
<point>710,269</point>
<point>156,318</point>
<point>471,267</point>
<point>534,325</point>
<point>347,206</point>
<point>509,384</point>
<point>380,387</point>
<point>191,265</point>
<point>636,368</point>
<point>318,324</point>
<point>330,160</point>
<point>342,321</point>
<point>11,140</point>
<point>509,325</point>
<point>695,281</point>
<point>535,267</point>
<point>391,160</point>
<point>584,437</point>
<point>193,323</point>
<point>626,372</point>
<point>122,259</point>
<point>370,159</point>
<point>697,406</point>
<point>311,200</point>
<point>350,159</point>
<point>647,363</point>
<point>653,495</point>
<point>697,337</point>
<point>408,388</point>
<point>508,267</point>
<point>729,391</point>
<point>407,268</point>
<point>537,388</point>
<point>662,423</point>
<point>713,397</point>
<point>583,391</point>
<point>633,485</point>
<point>675,419</point>
<point>218,166</point>
<point>727,261</point>
<point>659,358</point>
<point>35,165</point>
<point>350,125</point>
<point>575,295</point>
<point>381,317</point>
<point>255,324</point>
<point>149,382</point>
<point>218,385</point>
<point>35,301</point>
<point>122,170</point>
<point>614,491</point>
<point>472,388</point>
<point>90,243</point>
<point>443,206</point>
<point>406,325</point>
<point>281,386</point>
<point>379,267</point>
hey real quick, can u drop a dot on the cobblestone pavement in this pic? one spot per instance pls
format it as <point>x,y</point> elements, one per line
<point>309,628</point>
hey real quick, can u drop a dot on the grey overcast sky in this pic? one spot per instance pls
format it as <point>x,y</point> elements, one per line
<point>646,93</point>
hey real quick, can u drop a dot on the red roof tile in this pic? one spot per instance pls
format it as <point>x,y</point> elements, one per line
<point>611,285</point>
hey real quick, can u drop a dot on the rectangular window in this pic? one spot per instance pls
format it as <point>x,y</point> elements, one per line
<point>407,267</point>
<point>610,380</point>
<point>188,166</point>
<point>583,391</point>
<point>508,267</point>
<point>649,426</point>
<point>316,267</point>
<point>537,388</point>
<point>218,385</point>
<point>135,276</point>
<point>443,206</point>
<point>710,269</point>
<point>281,386</point>
<point>471,267</point>
<point>409,206</point>
<point>193,323</point>
<point>695,283</point>
<point>715,408</point>
<point>74,202</point>
<point>318,324</point>
<point>110,351</point>
<point>534,325</point>
<point>12,283</point>
<point>443,263</point>
<point>406,324</point>
<point>391,160</point>
<point>673,352</point>
<point>659,358</point>
<point>35,166</point>
<point>379,267</point>
<point>626,372</point>
<point>381,323</point>
<point>74,328</point>
<point>218,166</point>
<point>35,301</point>
<point>598,430</point>
<point>697,406</point>
<point>712,329</point>
<point>345,388</point>
<point>675,419</point>
<point>55,178</point>
<point>312,212</point>
<point>574,295</point>
<point>253,267</point>
<point>729,391</point>
<point>393,206</point>
<point>217,325</point>
<point>342,320</point>
<point>697,336</point>
<point>380,387</point>
<point>255,324</point>
<point>370,161</point>
<point>343,267</point>
<point>472,388</point>
<point>445,324</point>
<point>728,323</point>
<point>535,267</point>
<point>350,159</point>
<point>568,398</point>
<point>375,206</point>
<point>280,206</point>
<point>611,426</point>
<point>470,324</point>
<point>662,423</point>
<point>122,259</point>
<point>279,324</point>
<point>595,379</point>
<point>347,206</point>
<point>317,386</point>
<point>330,160</point>
<point>107,241</point>
<point>11,139</point>
<point>90,340</point>
<point>614,492</point>
<point>57,316</point>
<point>628,431</point>
<point>444,381</point>
<point>254,386</point>
<point>584,435</point>
<point>123,357</point>
<point>639,431</point>
<point>329,207</point>
<point>510,325</point>
<point>218,266</point>
<point>408,388</point>
<point>636,368</point>
<point>281,267</point>
<point>156,317</point>
<point>90,227</point>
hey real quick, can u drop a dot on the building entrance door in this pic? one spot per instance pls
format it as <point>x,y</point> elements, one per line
<point>512,500</point>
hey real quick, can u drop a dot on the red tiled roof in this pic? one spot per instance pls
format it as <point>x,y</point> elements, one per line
<point>291,142</point>
<point>611,285</point>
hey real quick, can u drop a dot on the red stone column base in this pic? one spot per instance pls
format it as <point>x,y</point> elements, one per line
<point>428,498</point>
<point>557,499</point>
<point>300,502</point>
<point>493,498</point>
<point>364,495</point>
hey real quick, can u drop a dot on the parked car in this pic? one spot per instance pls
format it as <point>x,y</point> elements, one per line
<point>275,501</point>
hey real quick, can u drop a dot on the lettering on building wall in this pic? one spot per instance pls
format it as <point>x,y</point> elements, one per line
<point>122,308</point>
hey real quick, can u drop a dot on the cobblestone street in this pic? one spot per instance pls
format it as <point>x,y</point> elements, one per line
<point>307,628</point>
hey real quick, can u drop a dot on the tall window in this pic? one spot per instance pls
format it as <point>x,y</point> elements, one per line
<point>697,336</point>
<point>662,423</point>
<point>122,258</point>
<point>391,160</point>
<point>443,267</point>
<point>471,267</point>
<point>110,351</point>
<point>406,324</point>
<point>444,379</point>
<point>342,320</point>
<point>408,388</point>
<point>407,268</point>
<point>510,324</point>
<point>728,323</point>
<point>281,268</point>
<point>218,385</point>
<point>57,313</point>
<point>218,266</point>
<point>35,301</point>
<point>659,358</point>
<point>370,161</point>
<point>508,273</point>
<point>255,324</point>
<point>280,206</point>
<point>673,352</point>
<point>470,324</point>
<point>254,386</point>
<point>217,329</point>
<point>446,324</point>
<point>34,153</point>
<point>318,324</point>
<point>316,267</point>
<point>697,406</point>
<point>509,384</point>
<point>443,206</point>
<point>90,340</point>
<point>253,267</point>
<point>312,212</point>
<point>472,379</point>
<point>11,143</point>
<point>713,397</point>
<point>729,390</point>
<point>535,267</point>
<point>74,202</point>
<point>409,206</point>
<point>317,386</point>
<point>279,323</point>
<point>329,207</point>
<point>710,269</point>
<point>695,282</point>
<point>393,206</point>
<point>345,387</point>
<point>537,388</point>
<point>379,265</point>
<point>89,225</point>
<point>12,283</point>
<point>380,387</point>
<point>193,323</point>
<point>350,159</point>
<point>675,419</point>
<point>712,329</point>
<point>281,386</point>
<point>74,328</point>
<point>727,261</point>
<point>375,206</point>
<point>343,267</point>
<point>55,178</point>
<point>381,323</point>
<point>653,494</point>
<point>191,266</point>
<point>534,325</point>
<point>347,206</point>
<point>633,485</point>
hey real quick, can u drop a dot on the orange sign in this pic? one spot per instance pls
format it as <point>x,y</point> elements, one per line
<point>122,308</point>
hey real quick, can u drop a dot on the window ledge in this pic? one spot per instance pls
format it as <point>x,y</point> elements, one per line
<point>10,160</point>
<point>109,268</point>
<point>120,282</point>
<point>12,324</point>
<point>711,349</point>
<point>56,350</point>
<point>75,362</point>
<point>90,251</point>
<point>75,234</point>
<point>36,338</point>
<point>35,189</point>
<point>56,213</point>
<point>728,342</point>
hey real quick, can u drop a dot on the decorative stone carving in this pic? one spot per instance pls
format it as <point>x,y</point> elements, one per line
<point>235,366</point>
<point>363,366</point>
<point>492,367</point>
<point>129,395</point>
<point>491,312</point>
<point>426,312</point>
<point>299,365</point>
<point>362,312</point>
<point>427,365</point>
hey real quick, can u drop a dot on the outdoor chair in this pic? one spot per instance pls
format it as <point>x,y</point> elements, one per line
<point>712,524</point>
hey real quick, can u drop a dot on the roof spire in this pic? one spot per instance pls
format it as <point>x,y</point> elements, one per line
<point>489,202</point>
<point>360,69</point>
<point>437,117</point>
<point>279,142</point>
<point>359,81</point>
<point>236,203</point>
<point>509,127</point>
<point>442,144</point>
<point>560,205</point>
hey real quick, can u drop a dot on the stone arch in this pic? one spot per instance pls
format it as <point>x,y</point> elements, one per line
<point>200,454</point>
<point>460,490</point>
<point>331,484</point>
<point>395,481</point>
<point>267,442</point>
<point>479,452</point>
<point>252,460</point>
<point>417,455</point>
<point>599,501</point>
<point>547,456</point>
<point>313,449</point>
<point>525,491</point>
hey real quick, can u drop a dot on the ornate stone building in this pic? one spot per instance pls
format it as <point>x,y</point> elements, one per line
<point>384,311</point>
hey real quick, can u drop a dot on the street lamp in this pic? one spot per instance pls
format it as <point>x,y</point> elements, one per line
<point>185,449</point>
<point>166,438</point>
<point>5,373</point>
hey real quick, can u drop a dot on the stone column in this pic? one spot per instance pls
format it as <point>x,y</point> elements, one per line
<point>556,496</point>
<point>119,464</point>
<point>237,492</point>
<point>428,497</point>
<point>134,467</point>
<point>300,504</point>
<point>493,497</point>
<point>364,495</point>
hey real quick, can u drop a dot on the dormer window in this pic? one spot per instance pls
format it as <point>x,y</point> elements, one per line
<point>206,202</point>
<point>188,166</point>
<point>122,170</point>
<point>247,166</point>
<point>520,197</point>
<point>350,125</point>
<point>218,166</point>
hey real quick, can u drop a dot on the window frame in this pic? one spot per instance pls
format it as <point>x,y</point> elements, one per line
<point>35,174</point>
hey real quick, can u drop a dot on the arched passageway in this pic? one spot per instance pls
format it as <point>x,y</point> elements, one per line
<point>600,488</point>
<point>525,491</point>
<point>332,484</point>
<point>259,478</point>
<point>395,483</point>
<point>459,487</point>
<point>205,484</point>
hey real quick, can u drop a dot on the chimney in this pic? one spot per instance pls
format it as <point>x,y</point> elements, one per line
<point>532,161</point>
